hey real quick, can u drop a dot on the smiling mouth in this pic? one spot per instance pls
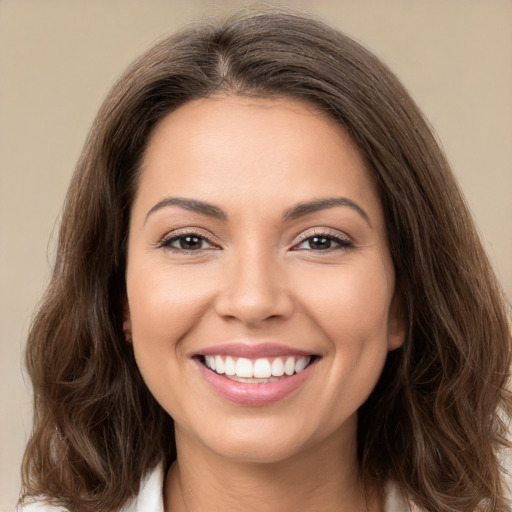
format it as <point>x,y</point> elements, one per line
<point>256,371</point>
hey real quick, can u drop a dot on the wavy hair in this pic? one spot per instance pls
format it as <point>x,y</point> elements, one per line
<point>436,420</point>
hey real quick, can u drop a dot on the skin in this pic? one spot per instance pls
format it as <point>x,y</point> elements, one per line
<point>260,277</point>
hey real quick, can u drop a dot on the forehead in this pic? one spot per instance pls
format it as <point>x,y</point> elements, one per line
<point>278,149</point>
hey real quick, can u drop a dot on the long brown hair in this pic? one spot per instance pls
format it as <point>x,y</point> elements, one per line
<point>434,423</point>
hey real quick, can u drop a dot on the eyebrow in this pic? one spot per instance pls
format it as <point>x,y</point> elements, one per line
<point>190,204</point>
<point>303,209</point>
<point>300,210</point>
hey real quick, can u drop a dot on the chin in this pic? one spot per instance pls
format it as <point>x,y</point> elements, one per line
<point>257,443</point>
<point>262,452</point>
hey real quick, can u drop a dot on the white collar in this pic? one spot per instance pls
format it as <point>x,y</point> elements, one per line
<point>150,497</point>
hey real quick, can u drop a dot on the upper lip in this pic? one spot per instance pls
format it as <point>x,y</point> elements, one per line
<point>252,351</point>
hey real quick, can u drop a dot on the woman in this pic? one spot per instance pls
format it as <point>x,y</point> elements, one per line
<point>268,294</point>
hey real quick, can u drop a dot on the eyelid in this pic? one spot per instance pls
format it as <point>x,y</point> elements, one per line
<point>323,232</point>
<point>165,241</point>
<point>344,241</point>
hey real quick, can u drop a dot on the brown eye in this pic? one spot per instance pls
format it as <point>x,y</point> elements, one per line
<point>187,242</point>
<point>190,242</point>
<point>323,243</point>
<point>319,243</point>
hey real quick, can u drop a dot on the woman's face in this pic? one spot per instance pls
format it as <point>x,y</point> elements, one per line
<point>257,247</point>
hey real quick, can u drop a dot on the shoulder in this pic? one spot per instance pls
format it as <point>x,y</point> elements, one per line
<point>396,501</point>
<point>149,499</point>
<point>39,505</point>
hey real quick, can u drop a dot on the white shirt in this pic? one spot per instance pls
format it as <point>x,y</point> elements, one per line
<point>150,498</point>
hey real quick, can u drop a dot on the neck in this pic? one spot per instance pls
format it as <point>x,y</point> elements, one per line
<point>325,478</point>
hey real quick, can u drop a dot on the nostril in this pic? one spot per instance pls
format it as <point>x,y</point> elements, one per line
<point>253,309</point>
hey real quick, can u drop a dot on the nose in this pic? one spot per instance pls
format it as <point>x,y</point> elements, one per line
<point>255,290</point>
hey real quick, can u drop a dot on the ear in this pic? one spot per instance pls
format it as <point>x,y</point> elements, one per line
<point>127,320</point>
<point>397,322</point>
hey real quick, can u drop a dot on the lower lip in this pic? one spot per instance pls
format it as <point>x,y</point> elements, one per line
<point>243,393</point>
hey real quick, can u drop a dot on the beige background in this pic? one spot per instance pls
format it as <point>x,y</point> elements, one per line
<point>57,59</point>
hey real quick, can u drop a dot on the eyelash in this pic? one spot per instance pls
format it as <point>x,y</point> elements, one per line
<point>341,242</point>
<point>166,242</point>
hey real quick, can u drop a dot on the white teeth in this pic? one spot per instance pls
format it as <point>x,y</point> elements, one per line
<point>243,368</point>
<point>277,367</point>
<point>262,369</point>
<point>219,364</point>
<point>289,366</point>
<point>301,364</point>
<point>229,368</point>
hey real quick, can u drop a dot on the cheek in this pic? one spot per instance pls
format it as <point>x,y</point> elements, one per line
<point>352,302</point>
<point>158,295</point>
<point>165,305</point>
<point>351,307</point>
